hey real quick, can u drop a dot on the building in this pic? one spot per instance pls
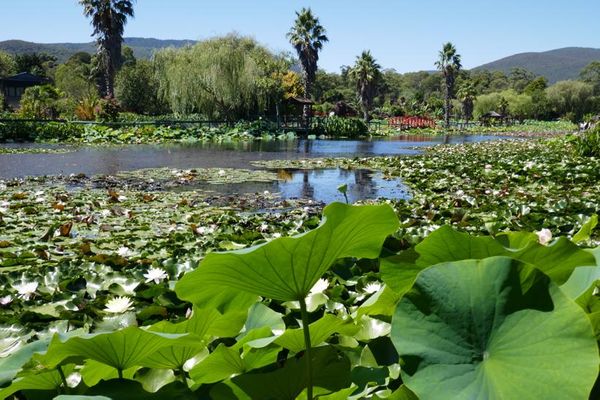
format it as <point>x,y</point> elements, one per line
<point>13,87</point>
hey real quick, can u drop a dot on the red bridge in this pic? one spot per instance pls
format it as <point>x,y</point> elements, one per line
<point>406,122</point>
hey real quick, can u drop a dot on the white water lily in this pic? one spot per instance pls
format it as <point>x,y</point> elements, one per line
<point>319,287</point>
<point>372,287</point>
<point>118,305</point>
<point>26,289</point>
<point>264,227</point>
<point>221,172</point>
<point>544,236</point>
<point>124,251</point>
<point>156,275</point>
<point>6,300</point>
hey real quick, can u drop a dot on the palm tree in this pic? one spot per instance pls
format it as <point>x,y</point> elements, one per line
<point>366,73</point>
<point>449,64</point>
<point>108,19</point>
<point>466,95</point>
<point>307,36</point>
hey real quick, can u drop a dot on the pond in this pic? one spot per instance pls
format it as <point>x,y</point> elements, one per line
<point>317,185</point>
<point>92,160</point>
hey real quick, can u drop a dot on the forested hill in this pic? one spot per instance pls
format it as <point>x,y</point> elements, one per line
<point>142,47</point>
<point>556,65</point>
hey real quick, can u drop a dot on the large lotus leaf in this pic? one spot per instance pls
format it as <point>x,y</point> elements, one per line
<point>50,380</point>
<point>445,244</point>
<point>10,366</point>
<point>287,268</point>
<point>493,329</point>
<point>123,389</point>
<point>121,349</point>
<point>320,331</point>
<point>226,362</point>
<point>582,277</point>
<point>174,357</point>
<point>331,373</point>
<point>586,229</point>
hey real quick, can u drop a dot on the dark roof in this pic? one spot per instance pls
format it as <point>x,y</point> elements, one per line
<point>492,114</point>
<point>25,77</point>
<point>302,100</point>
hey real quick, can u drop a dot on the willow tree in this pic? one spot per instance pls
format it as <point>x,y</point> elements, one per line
<point>224,77</point>
<point>108,19</point>
<point>367,74</point>
<point>307,36</point>
<point>449,64</point>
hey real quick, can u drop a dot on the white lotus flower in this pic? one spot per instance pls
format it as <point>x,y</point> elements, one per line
<point>26,289</point>
<point>118,305</point>
<point>544,236</point>
<point>528,165</point>
<point>488,167</point>
<point>264,227</point>
<point>124,251</point>
<point>372,287</point>
<point>221,172</point>
<point>6,300</point>
<point>155,274</point>
<point>319,287</point>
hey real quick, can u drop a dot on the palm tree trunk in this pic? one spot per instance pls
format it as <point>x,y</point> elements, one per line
<point>447,108</point>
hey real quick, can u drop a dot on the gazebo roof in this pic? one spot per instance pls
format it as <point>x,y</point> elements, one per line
<point>24,77</point>
<point>492,114</point>
<point>301,100</point>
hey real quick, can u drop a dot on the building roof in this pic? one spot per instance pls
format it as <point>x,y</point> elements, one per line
<point>302,100</point>
<point>24,77</point>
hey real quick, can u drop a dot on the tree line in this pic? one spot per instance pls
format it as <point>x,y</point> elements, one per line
<point>234,77</point>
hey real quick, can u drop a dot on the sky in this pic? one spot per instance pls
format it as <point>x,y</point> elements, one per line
<point>405,35</point>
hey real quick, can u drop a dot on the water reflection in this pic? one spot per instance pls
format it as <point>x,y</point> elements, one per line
<point>321,185</point>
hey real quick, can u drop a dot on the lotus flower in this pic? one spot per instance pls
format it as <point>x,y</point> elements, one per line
<point>155,274</point>
<point>544,236</point>
<point>118,305</point>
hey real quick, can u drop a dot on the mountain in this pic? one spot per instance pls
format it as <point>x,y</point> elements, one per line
<point>556,65</point>
<point>142,47</point>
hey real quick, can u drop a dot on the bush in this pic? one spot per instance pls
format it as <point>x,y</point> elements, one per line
<point>41,102</point>
<point>587,144</point>
<point>341,127</point>
<point>107,109</point>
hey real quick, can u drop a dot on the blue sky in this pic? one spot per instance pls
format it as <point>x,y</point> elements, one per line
<point>402,34</point>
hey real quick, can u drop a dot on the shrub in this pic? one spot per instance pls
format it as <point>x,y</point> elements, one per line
<point>42,102</point>
<point>588,143</point>
<point>107,109</point>
<point>341,127</point>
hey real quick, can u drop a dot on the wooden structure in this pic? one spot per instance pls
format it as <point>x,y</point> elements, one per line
<point>407,122</point>
<point>13,87</point>
<point>297,115</point>
<point>493,118</point>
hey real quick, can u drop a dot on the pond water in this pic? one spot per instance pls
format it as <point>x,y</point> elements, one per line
<point>320,185</point>
<point>92,160</point>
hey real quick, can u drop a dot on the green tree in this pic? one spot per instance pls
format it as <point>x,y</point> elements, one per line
<point>8,66</point>
<point>220,78</point>
<point>40,102</point>
<point>519,78</point>
<point>108,19</point>
<point>307,36</point>
<point>76,79</point>
<point>449,64</point>
<point>571,99</point>
<point>367,74</point>
<point>591,74</point>
<point>40,64</point>
<point>466,95</point>
<point>136,88</point>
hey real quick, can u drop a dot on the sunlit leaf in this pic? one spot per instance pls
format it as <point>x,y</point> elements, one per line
<point>287,268</point>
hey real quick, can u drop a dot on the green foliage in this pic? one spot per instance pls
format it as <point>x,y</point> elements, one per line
<point>222,78</point>
<point>287,269</point>
<point>107,109</point>
<point>40,64</point>
<point>341,127</point>
<point>492,328</point>
<point>41,102</point>
<point>570,98</point>
<point>136,88</point>
<point>587,143</point>
<point>8,66</point>
<point>366,73</point>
